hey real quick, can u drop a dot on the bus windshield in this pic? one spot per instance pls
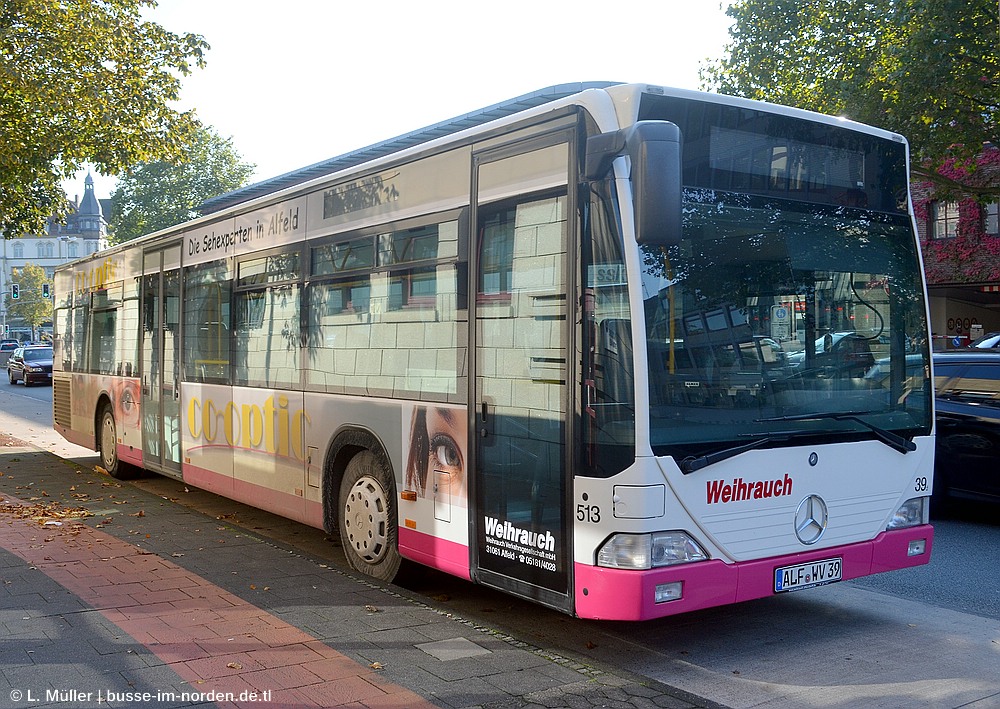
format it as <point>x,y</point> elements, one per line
<point>778,321</point>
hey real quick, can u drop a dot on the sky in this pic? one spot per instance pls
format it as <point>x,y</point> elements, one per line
<point>299,81</point>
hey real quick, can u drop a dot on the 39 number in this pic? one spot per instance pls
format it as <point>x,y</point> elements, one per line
<point>920,485</point>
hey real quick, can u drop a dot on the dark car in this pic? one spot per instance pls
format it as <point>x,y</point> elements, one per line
<point>30,365</point>
<point>967,457</point>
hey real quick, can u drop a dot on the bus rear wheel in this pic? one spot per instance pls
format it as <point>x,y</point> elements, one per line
<point>107,433</point>
<point>367,518</point>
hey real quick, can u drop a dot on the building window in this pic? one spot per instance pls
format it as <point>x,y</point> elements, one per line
<point>18,250</point>
<point>944,220</point>
<point>45,249</point>
<point>993,219</point>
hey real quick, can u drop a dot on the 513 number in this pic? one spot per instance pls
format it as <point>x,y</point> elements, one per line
<point>588,513</point>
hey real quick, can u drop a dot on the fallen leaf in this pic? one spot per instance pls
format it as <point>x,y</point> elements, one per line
<point>377,666</point>
<point>234,665</point>
<point>46,514</point>
<point>371,609</point>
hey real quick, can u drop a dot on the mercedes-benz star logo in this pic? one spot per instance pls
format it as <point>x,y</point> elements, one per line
<point>810,519</point>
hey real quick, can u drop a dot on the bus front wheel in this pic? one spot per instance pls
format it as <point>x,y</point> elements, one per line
<point>367,517</point>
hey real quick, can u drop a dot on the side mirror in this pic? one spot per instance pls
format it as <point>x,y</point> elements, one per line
<point>654,149</point>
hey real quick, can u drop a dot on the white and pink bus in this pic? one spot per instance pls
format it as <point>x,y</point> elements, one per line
<point>624,350</point>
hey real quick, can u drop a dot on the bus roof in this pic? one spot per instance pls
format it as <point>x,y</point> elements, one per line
<point>393,145</point>
<point>627,94</point>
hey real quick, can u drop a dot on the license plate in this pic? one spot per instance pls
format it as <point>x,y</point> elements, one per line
<point>812,573</point>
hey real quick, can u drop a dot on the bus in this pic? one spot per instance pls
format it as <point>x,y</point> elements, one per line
<point>602,346</point>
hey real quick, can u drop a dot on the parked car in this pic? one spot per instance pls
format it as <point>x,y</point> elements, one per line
<point>846,353</point>
<point>991,340</point>
<point>878,373</point>
<point>7,347</point>
<point>967,456</point>
<point>30,365</point>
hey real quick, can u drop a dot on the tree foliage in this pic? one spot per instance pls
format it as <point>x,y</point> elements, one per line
<point>83,81</point>
<point>928,69</point>
<point>30,306</point>
<point>160,194</point>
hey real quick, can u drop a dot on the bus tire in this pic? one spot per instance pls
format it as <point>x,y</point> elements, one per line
<point>367,518</point>
<point>107,437</point>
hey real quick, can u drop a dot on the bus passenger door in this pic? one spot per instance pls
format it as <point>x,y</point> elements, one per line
<point>519,422</point>
<point>160,360</point>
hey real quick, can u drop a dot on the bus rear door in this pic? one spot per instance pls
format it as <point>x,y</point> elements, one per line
<point>161,298</point>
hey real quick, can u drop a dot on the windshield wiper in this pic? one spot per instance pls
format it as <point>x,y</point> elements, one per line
<point>893,440</point>
<point>695,463</point>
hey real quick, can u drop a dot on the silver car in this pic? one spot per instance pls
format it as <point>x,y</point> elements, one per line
<point>7,348</point>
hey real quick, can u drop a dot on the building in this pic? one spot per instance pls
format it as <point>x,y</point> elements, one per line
<point>85,232</point>
<point>960,241</point>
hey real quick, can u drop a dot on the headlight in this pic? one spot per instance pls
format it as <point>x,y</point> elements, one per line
<point>647,551</point>
<point>912,513</point>
<point>31,368</point>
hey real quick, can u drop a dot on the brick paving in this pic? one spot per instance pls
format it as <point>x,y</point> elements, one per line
<point>115,597</point>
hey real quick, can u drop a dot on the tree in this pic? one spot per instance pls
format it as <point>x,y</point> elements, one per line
<point>31,306</point>
<point>159,194</point>
<point>928,69</point>
<point>83,81</point>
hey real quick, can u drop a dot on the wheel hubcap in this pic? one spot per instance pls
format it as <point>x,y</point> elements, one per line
<point>108,452</point>
<point>366,519</point>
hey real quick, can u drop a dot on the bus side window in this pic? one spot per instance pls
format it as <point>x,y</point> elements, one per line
<point>612,362</point>
<point>103,342</point>
<point>206,323</point>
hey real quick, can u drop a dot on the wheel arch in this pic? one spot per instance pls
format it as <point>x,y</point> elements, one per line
<point>103,401</point>
<point>346,443</point>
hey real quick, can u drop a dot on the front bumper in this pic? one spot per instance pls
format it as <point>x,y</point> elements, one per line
<point>38,377</point>
<point>617,594</point>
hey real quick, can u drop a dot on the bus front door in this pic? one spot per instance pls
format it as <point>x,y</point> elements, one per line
<point>520,478</point>
<point>161,444</point>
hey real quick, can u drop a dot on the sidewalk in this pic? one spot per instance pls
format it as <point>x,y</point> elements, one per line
<point>112,596</point>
